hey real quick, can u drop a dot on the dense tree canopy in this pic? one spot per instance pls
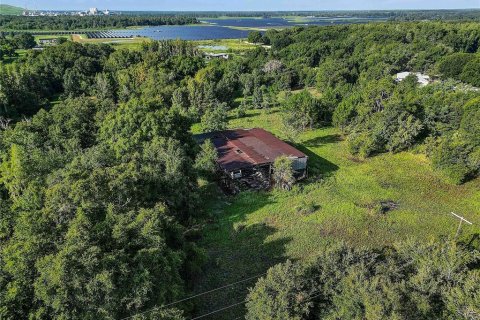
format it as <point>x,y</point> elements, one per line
<point>432,280</point>
<point>255,37</point>
<point>96,195</point>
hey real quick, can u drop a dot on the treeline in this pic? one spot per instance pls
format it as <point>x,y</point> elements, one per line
<point>90,22</point>
<point>411,280</point>
<point>436,15</point>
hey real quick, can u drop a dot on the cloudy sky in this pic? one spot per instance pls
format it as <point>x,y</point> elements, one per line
<point>225,5</point>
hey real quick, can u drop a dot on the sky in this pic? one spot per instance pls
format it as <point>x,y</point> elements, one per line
<point>243,5</point>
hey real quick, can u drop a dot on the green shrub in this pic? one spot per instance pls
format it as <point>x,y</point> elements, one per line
<point>470,124</point>
<point>283,173</point>
<point>255,37</point>
<point>215,118</point>
<point>471,72</point>
<point>451,156</point>
<point>345,111</point>
<point>241,111</point>
<point>365,142</point>
<point>206,159</point>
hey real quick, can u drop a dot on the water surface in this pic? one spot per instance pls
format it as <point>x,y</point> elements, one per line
<point>234,28</point>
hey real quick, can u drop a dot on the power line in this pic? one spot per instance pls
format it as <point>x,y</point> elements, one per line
<point>218,310</point>
<point>194,296</point>
<point>315,296</point>
<point>238,303</point>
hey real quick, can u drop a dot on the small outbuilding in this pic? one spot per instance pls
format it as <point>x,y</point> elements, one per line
<point>247,155</point>
<point>211,56</point>
<point>48,41</point>
<point>422,79</point>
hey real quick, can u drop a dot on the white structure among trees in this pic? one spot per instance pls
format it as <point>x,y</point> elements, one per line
<point>422,79</point>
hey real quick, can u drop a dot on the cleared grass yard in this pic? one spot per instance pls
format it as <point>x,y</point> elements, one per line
<point>253,231</point>
<point>231,45</point>
<point>51,36</point>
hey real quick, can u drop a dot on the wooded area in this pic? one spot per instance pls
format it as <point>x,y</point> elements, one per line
<point>99,196</point>
<point>432,280</point>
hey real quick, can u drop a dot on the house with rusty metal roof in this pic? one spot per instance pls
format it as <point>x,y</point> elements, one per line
<point>248,154</point>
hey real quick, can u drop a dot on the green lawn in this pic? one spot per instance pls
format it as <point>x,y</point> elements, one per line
<point>230,44</point>
<point>313,91</point>
<point>254,230</point>
<point>52,36</point>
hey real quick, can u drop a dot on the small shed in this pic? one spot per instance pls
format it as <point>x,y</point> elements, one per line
<point>422,79</point>
<point>211,56</point>
<point>249,153</point>
<point>48,41</point>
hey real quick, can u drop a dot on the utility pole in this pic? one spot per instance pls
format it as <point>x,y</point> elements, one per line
<point>462,219</point>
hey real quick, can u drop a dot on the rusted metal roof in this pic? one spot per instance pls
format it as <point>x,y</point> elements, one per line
<point>242,148</point>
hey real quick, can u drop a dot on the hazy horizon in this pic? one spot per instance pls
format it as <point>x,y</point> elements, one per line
<point>247,5</point>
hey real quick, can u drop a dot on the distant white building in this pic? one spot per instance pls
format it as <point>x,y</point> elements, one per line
<point>29,13</point>
<point>93,11</point>
<point>422,79</point>
<point>210,56</point>
<point>48,41</point>
<point>106,12</point>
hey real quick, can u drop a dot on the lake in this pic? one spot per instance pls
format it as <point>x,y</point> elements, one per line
<point>265,23</point>
<point>234,28</point>
<point>185,32</point>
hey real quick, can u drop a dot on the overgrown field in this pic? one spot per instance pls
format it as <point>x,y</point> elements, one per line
<point>373,202</point>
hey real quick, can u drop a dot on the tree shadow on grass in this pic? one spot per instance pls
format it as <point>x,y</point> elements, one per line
<point>317,165</point>
<point>237,251</point>
<point>252,115</point>
<point>474,242</point>
<point>318,141</point>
